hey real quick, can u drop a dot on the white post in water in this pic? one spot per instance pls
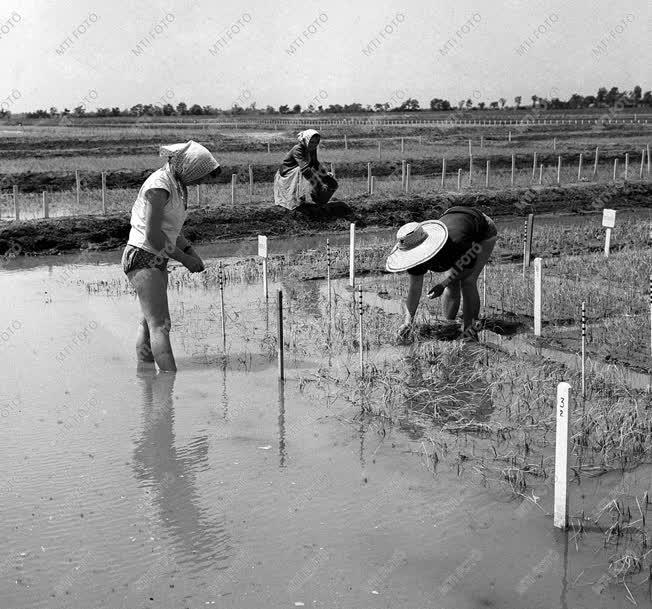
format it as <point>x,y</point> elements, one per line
<point>352,255</point>
<point>537,296</point>
<point>558,170</point>
<point>16,204</point>
<point>361,331</point>
<point>561,456</point>
<point>609,222</point>
<point>281,368</point>
<point>328,272</point>
<point>223,317</point>
<point>513,167</point>
<point>583,350</point>
<point>46,209</point>
<point>78,187</point>
<point>104,192</point>
<point>262,252</point>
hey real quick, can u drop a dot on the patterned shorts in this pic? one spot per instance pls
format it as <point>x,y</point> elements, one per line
<point>134,258</point>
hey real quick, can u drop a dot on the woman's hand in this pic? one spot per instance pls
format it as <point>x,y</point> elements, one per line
<point>194,264</point>
<point>436,291</point>
<point>404,330</point>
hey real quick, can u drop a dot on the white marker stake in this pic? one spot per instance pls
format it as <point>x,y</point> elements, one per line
<point>223,317</point>
<point>328,272</point>
<point>459,179</point>
<point>609,222</point>
<point>615,168</point>
<point>361,332</point>
<point>651,313</point>
<point>486,181</point>
<point>513,168</point>
<point>352,255</point>
<point>558,170</point>
<point>46,209</point>
<point>640,171</point>
<point>626,165</point>
<point>104,192</point>
<point>561,456</point>
<point>78,186</point>
<point>537,296</point>
<point>262,252</point>
<point>16,204</point>
<point>579,168</point>
<point>443,171</point>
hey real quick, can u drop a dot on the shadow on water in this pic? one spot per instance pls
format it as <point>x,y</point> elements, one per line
<point>168,473</point>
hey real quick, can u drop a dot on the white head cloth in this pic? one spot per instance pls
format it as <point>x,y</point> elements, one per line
<point>189,161</point>
<point>304,136</point>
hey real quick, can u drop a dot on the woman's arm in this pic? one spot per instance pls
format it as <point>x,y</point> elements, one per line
<point>157,199</point>
<point>413,297</point>
<point>186,247</point>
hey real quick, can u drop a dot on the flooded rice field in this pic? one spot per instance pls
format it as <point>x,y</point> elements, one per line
<point>219,485</point>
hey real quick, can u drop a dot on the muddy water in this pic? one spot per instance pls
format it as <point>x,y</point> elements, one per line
<point>216,486</point>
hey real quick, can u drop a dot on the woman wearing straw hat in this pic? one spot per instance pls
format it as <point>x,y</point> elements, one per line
<point>459,244</point>
<point>301,171</point>
<point>157,217</point>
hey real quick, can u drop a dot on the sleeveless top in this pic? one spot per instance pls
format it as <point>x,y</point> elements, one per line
<point>174,212</point>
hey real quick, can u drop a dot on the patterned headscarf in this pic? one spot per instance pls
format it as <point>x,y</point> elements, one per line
<point>305,136</point>
<point>189,161</point>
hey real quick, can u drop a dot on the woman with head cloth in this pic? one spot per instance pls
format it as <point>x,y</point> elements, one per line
<point>301,171</point>
<point>157,217</point>
<point>459,244</point>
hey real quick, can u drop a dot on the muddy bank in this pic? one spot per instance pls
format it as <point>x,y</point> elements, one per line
<point>245,221</point>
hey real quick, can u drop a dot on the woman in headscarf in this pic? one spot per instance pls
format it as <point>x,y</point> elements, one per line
<point>459,244</point>
<point>157,217</point>
<point>301,171</point>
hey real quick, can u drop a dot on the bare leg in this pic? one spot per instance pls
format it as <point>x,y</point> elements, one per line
<point>143,345</point>
<point>151,286</point>
<point>470,296</point>
<point>451,299</point>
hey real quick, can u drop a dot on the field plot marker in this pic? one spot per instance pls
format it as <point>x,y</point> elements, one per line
<point>408,168</point>
<point>402,145</point>
<point>281,370</point>
<point>403,174</point>
<point>537,296</point>
<point>16,204</point>
<point>220,276</point>
<point>640,172</point>
<point>262,252</point>
<point>46,210</point>
<point>78,186</point>
<point>626,165</point>
<point>352,255</point>
<point>346,143</point>
<point>368,178</point>
<point>595,162</point>
<point>554,144</point>
<point>470,169</point>
<point>443,171</point>
<point>372,183</point>
<point>509,137</point>
<point>583,350</point>
<point>361,331</point>
<point>541,174</point>
<point>651,313</point>
<point>234,178</point>
<point>328,272</point>
<point>269,149</point>
<point>579,168</point>
<point>647,152</point>
<point>513,167</point>
<point>615,168</point>
<point>609,222</point>
<point>104,192</point>
<point>486,181</point>
<point>558,170</point>
<point>534,165</point>
<point>459,179</point>
<point>529,228</point>
<point>380,156</point>
<point>251,183</point>
<point>561,456</point>
<point>198,193</point>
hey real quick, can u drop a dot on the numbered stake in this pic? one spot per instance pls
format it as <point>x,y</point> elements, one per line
<point>561,456</point>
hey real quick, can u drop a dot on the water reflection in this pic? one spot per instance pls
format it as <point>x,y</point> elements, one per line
<point>169,473</point>
<point>282,451</point>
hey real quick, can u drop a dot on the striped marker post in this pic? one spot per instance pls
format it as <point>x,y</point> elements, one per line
<point>524,245</point>
<point>220,275</point>
<point>561,456</point>
<point>352,255</point>
<point>281,347</point>
<point>361,331</point>
<point>328,272</point>
<point>537,296</point>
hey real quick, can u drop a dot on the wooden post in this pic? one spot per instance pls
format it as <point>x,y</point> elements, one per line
<point>361,331</point>
<point>262,252</point>
<point>46,210</point>
<point>559,170</point>
<point>615,169</point>
<point>513,167</point>
<point>373,182</point>
<point>408,169</point>
<point>579,168</point>
<point>104,192</point>
<point>402,144</point>
<point>223,317</point>
<point>595,162</point>
<point>640,172</point>
<point>78,187</point>
<point>281,371</point>
<point>534,165</point>
<point>352,255</point>
<point>16,203</point>
<point>561,456</point>
<point>443,171</point>
<point>368,178</point>
<point>626,165</point>
<point>251,182</point>
<point>234,178</point>
<point>459,179</point>
<point>583,350</point>
<point>402,175</point>
<point>486,181</point>
<point>537,296</point>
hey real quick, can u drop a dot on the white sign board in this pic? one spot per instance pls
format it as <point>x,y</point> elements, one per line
<point>262,246</point>
<point>609,218</point>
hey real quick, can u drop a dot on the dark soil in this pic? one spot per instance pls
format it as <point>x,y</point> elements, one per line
<point>46,236</point>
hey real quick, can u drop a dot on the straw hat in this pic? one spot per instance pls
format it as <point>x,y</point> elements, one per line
<point>416,242</point>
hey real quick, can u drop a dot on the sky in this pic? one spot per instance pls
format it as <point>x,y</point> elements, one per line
<point>70,53</point>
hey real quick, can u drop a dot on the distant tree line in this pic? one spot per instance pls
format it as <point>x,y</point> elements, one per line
<point>604,98</point>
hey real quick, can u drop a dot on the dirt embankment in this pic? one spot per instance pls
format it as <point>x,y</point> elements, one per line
<point>242,221</point>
